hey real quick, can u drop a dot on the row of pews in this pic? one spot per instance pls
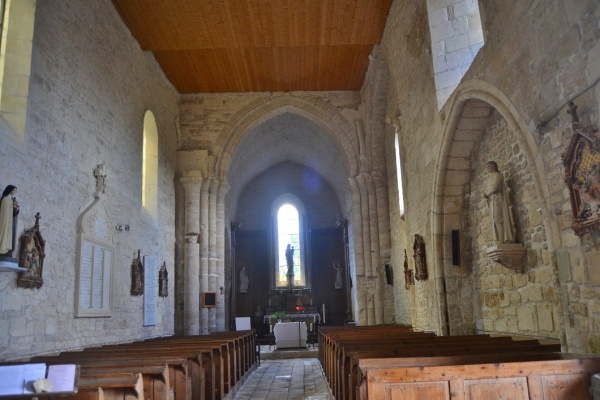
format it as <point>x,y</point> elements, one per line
<point>395,362</point>
<point>169,368</point>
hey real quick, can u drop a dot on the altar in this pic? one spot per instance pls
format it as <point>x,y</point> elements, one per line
<point>290,334</point>
<point>315,317</point>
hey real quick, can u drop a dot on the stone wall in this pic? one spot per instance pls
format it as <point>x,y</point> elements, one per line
<point>509,302</point>
<point>90,86</point>
<point>415,113</point>
<point>527,74</point>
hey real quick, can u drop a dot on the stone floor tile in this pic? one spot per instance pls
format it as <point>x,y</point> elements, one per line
<point>285,379</point>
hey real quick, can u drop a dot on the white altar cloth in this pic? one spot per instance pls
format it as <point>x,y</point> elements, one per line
<point>290,334</point>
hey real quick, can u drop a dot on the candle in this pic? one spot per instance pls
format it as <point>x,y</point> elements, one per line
<point>324,313</point>
<point>314,319</point>
<point>311,325</point>
<point>270,327</point>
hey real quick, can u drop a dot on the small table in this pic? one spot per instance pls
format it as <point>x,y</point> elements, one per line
<point>290,334</point>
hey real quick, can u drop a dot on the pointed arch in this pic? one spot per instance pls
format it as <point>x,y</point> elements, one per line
<point>473,97</point>
<point>316,110</point>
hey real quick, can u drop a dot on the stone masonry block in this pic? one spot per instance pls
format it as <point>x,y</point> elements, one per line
<point>545,317</point>
<point>460,25</point>
<point>525,316</point>
<point>457,42</point>
<point>433,5</point>
<point>438,16</point>
<point>441,32</point>
<point>459,58</point>
<point>593,262</point>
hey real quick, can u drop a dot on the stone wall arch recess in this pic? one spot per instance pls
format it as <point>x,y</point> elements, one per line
<point>472,99</point>
<point>329,118</point>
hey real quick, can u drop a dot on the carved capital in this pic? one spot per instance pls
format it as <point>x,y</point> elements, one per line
<point>511,255</point>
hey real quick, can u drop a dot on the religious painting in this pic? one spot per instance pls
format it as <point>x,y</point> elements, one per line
<point>582,175</point>
<point>137,275</point>
<point>420,259</point>
<point>408,273</point>
<point>32,257</point>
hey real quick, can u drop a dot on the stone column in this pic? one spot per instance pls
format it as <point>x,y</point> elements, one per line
<point>366,226</point>
<point>376,267</point>
<point>220,254</point>
<point>383,236</point>
<point>213,278</point>
<point>204,235</point>
<point>191,275</point>
<point>357,223</point>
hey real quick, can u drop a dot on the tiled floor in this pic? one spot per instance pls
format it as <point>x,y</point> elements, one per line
<point>295,378</point>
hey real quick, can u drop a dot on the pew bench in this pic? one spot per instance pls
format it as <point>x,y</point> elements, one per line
<point>350,375</point>
<point>177,382</point>
<point>115,386</point>
<point>567,378</point>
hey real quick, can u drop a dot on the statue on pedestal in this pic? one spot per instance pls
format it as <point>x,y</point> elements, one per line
<point>495,195</point>
<point>9,209</point>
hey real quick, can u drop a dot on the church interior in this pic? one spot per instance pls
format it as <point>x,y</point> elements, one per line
<point>182,164</point>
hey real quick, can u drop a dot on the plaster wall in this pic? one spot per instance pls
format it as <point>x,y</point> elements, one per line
<point>90,86</point>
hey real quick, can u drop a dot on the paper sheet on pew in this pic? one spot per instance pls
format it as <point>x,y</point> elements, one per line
<point>62,377</point>
<point>18,379</point>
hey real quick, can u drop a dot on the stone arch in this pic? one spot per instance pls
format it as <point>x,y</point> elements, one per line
<point>472,99</point>
<point>314,109</point>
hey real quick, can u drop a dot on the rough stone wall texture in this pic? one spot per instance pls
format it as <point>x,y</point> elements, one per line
<point>90,85</point>
<point>419,124</point>
<point>552,58</point>
<point>537,57</point>
<point>508,302</point>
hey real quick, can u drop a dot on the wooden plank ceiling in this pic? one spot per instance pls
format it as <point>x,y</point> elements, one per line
<point>219,46</point>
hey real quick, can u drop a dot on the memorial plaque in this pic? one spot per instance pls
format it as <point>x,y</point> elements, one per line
<point>96,245</point>
<point>150,290</point>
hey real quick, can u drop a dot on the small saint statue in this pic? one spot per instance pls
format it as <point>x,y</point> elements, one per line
<point>9,209</point>
<point>494,192</point>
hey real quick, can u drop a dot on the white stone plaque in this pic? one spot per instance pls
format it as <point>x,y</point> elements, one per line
<point>150,290</point>
<point>85,275</point>
<point>95,262</point>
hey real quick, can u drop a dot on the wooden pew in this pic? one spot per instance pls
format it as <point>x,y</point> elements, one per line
<point>115,386</point>
<point>214,363</point>
<point>179,383</point>
<point>523,380</point>
<point>350,373</point>
<point>344,348</point>
<point>156,385</point>
<point>200,362</point>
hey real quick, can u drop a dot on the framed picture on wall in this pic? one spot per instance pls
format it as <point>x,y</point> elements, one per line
<point>582,175</point>
<point>209,299</point>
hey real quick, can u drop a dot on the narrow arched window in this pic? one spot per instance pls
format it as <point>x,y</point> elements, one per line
<point>399,174</point>
<point>150,165</point>
<point>18,21</point>
<point>289,248</point>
